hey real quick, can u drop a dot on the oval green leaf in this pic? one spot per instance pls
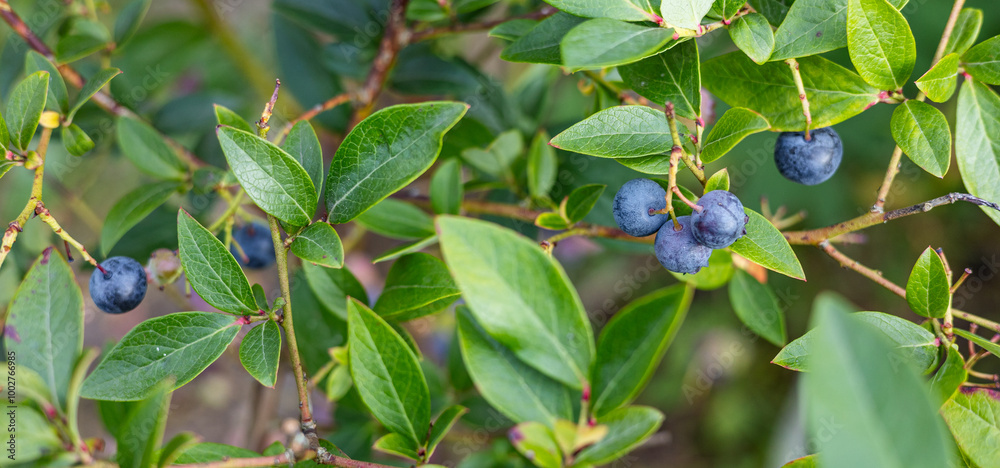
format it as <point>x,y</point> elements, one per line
<point>880,43</point>
<point>397,219</point>
<point>604,42</point>
<point>319,244</point>
<point>928,289</point>
<point>735,125</point>
<point>146,148</point>
<point>24,108</point>
<point>977,142</point>
<point>259,352</point>
<point>940,81</point>
<point>757,307</point>
<point>765,245</point>
<point>211,269</point>
<point>303,145</point>
<point>133,208</point>
<point>418,284</point>
<point>752,34</point>
<point>922,132</point>
<point>672,76</point>
<point>618,132</point>
<point>981,61</point>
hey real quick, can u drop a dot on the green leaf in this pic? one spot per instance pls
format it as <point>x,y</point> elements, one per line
<point>552,221</point>
<point>338,383</point>
<point>319,244</point>
<point>146,148</point>
<point>671,76</point>
<point>773,10</point>
<point>883,412</point>
<point>444,422</point>
<point>717,274</point>
<point>880,42</point>
<point>604,42</point>
<point>225,116</point>
<point>516,390</point>
<point>387,374</point>
<point>446,188</point>
<point>981,61</point>
<point>259,352</point>
<point>418,284</point>
<point>128,21</point>
<point>950,377</point>
<point>804,462</point>
<point>967,26</point>
<point>928,289</point>
<point>835,93</point>
<point>726,9</point>
<point>498,156</point>
<point>632,344</point>
<point>333,286</point>
<point>173,449</point>
<point>4,139</point>
<point>735,125</point>
<point>542,44</point>
<point>384,153</point>
<point>24,108</point>
<point>988,345</point>
<point>753,35</point>
<point>92,87</point>
<point>757,307</point>
<point>521,296</point>
<point>143,427</point>
<point>58,98</point>
<point>685,14</point>
<point>627,428</point>
<point>618,132</point>
<point>542,166</point>
<point>209,452</point>
<point>211,269</point>
<point>34,436</point>
<point>5,165</point>
<point>812,27</point>
<point>404,249</point>
<point>536,442</point>
<point>939,82</point>
<point>580,201</point>
<point>912,343</point>
<point>974,421</point>
<point>47,315</point>
<point>718,181</point>
<point>83,37</point>
<point>180,345</point>
<point>133,208</point>
<point>260,296</point>
<point>75,140</point>
<point>922,132</point>
<point>513,30</point>
<point>398,220</point>
<point>977,142</point>
<point>272,178</point>
<point>625,10</point>
<point>397,444</point>
<point>303,145</point>
<point>765,245</point>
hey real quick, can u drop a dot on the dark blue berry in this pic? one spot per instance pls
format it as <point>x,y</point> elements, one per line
<point>255,240</point>
<point>632,205</point>
<point>120,287</point>
<point>679,251</point>
<point>808,162</point>
<point>721,220</point>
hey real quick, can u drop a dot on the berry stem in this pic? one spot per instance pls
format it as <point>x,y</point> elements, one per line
<point>47,218</point>
<point>698,172</point>
<point>684,199</point>
<point>797,78</point>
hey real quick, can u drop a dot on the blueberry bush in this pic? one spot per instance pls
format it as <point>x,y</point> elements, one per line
<point>488,169</point>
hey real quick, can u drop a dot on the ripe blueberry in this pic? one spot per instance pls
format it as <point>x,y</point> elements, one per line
<point>255,240</point>
<point>121,288</point>
<point>632,205</point>
<point>721,220</point>
<point>679,251</point>
<point>808,162</point>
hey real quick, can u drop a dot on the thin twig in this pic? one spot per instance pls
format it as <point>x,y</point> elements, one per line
<point>314,111</point>
<point>396,36</point>
<point>797,78</point>
<point>281,459</point>
<point>852,264</point>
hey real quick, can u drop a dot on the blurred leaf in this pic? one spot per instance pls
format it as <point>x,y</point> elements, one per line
<point>92,87</point>
<point>977,142</point>
<point>319,244</point>
<point>338,383</point>
<point>418,284</point>
<point>604,42</point>
<point>773,10</point>
<point>981,61</point>
<point>671,76</point>
<point>128,21</point>
<point>143,428</point>
<point>404,249</point>
<point>735,125</point>
<point>303,145</point>
<point>84,37</point>
<point>950,377</point>
<point>332,287</point>
<point>24,108</point>
<point>967,27</point>
<point>259,352</point>
<point>225,116</point>
<point>625,10</point>
<point>386,152</point>
<point>717,274</point>
<point>34,436</point>
<point>618,132</point>
<point>206,452</point>
<point>132,208</point>
<point>442,425</point>
<point>627,428</point>
<point>146,148</point>
<point>75,140</point>
<point>757,307</point>
<point>939,82</point>
<point>497,158</point>
<point>211,269</point>
<point>398,220</point>
<point>753,35</point>
<point>632,344</point>
<point>298,52</point>
<point>974,420</point>
<point>542,166</point>
<point>928,289</point>
<point>180,345</point>
<point>446,188</point>
<point>58,98</point>
<point>514,29</point>
<point>727,8</point>
<point>338,17</point>
<point>326,328</point>
<point>804,462</point>
<point>580,201</point>
<point>986,344</point>
<point>542,43</point>
<point>765,245</point>
<point>684,13</point>
<point>880,42</point>
<point>397,444</point>
<point>537,443</point>
<point>173,449</point>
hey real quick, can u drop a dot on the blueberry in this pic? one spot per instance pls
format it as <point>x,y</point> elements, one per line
<point>255,240</point>
<point>632,205</point>
<point>721,220</point>
<point>679,251</point>
<point>808,162</point>
<point>121,287</point>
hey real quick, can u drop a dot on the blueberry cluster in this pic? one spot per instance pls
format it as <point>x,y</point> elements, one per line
<point>119,285</point>
<point>811,161</point>
<point>684,247</point>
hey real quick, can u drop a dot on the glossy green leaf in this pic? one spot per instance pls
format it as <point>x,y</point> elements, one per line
<point>303,145</point>
<point>765,245</point>
<point>387,374</point>
<point>520,295</point>
<point>225,116</point>
<point>418,284</point>
<point>272,178</point>
<point>735,125</point>
<point>835,93</point>
<point>143,427</point>
<point>880,43</point>
<point>986,344</point>
<point>542,44</point>
<point>981,61</point>
<point>618,132</point>
<point>633,343</point>
<point>604,42</point>
<point>397,219</point>
<point>753,35</point>
<point>128,21</point>
<point>47,316</point>
<point>133,208</point>
<point>146,148</point>
<point>625,10</point>
<point>671,76</point>
<point>967,26</point>
<point>24,108</point>
<point>627,428</point>
<point>974,421</point>
<point>757,307</point>
<point>259,352</point>
<point>718,181</point>
<point>319,244</point>
<point>442,425</point>
<point>884,414</point>
<point>812,27</point>
<point>536,442</point>
<point>580,201</point>
<point>211,269</point>
<point>496,158</point>
<point>209,452</point>
<point>552,221</point>
<point>397,444</point>
<point>58,98</point>
<point>446,188</point>
<point>922,132</point>
<point>180,345</point>
<point>715,275</point>
<point>404,249</point>
<point>384,153</point>
<point>928,289</point>
<point>333,286</point>
<point>940,81</point>
<point>92,87</point>
<point>949,377</point>
<point>542,166</point>
<point>685,14</point>
<point>75,140</point>
<point>516,390</point>
<point>977,142</point>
